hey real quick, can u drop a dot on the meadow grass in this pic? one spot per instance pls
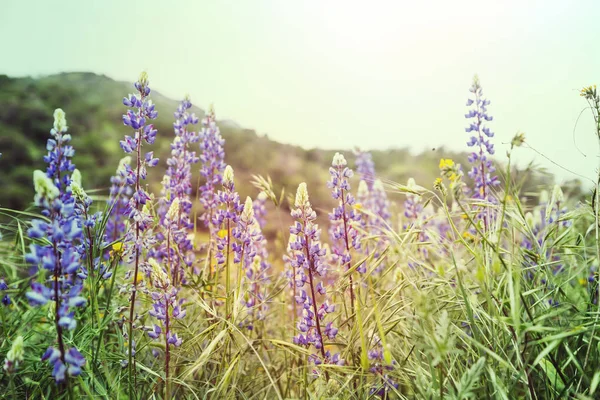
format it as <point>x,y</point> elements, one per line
<point>461,296</point>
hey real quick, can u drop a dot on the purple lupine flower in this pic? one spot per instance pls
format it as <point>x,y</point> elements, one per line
<point>213,166</point>
<point>260,209</point>
<point>412,204</point>
<point>247,234</point>
<point>374,198</point>
<point>374,218</point>
<point>544,221</point>
<point>64,364</point>
<point>140,111</point>
<point>5,299</point>
<point>225,219</point>
<point>177,187</point>
<point>291,271</point>
<point>380,205</point>
<point>166,307</point>
<point>59,155</point>
<point>344,236</point>
<point>250,250</point>
<point>177,181</point>
<point>118,203</point>
<point>87,224</point>
<point>380,368</point>
<point>365,167</point>
<point>60,253</point>
<point>483,170</point>
<point>310,268</point>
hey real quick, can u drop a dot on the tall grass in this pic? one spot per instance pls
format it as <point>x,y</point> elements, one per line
<point>467,298</point>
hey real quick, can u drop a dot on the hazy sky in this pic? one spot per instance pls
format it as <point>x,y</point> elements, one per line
<point>338,73</point>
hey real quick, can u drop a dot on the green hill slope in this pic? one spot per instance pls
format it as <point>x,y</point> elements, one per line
<point>93,106</point>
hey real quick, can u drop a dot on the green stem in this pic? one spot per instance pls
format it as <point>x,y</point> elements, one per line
<point>227,272</point>
<point>116,262</point>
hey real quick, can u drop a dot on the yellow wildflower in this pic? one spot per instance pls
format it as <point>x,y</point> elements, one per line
<point>117,249</point>
<point>446,163</point>
<point>222,233</point>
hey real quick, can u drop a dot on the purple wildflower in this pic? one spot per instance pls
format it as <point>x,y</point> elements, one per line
<point>5,299</point>
<point>308,263</point>
<point>165,308</point>
<point>374,218</point>
<point>345,237</point>
<point>177,187</point>
<point>140,110</point>
<point>118,203</point>
<point>59,254</point>
<point>381,367</point>
<point>365,167</point>
<point>251,252</point>
<point>482,171</point>
<point>260,209</point>
<point>87,224</point>
<point>544,221</point>
<point>213,166</point>
<point>226,219</point>
<point>59,155</point>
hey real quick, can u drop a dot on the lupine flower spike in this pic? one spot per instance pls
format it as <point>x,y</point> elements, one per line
<point>310,269</point>
<point>365,167</point>
<point>140,111</point>
<point>59,255</point>
<point>213,166</point>
<point>483,170</point>
<point>165,308</point>
<point>251,254</point>
<point>118,202</point>
<point>345,237</point>
<point>177,187</point>
<point>226,218</point>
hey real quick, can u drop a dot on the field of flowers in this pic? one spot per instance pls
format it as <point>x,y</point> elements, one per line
<point>468,292</point>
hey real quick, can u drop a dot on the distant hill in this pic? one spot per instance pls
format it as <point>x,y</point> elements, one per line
<point>94,108</point>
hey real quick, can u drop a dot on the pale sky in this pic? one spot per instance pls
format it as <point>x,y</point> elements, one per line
<point>338,74</point>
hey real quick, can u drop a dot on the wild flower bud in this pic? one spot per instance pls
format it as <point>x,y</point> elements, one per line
<point>123,163</point>
<point>143,79</point>
<point>60,120</point>
<point>174,208</point>
<point>248,212</point>
<point>518,139</point>
<point>557,194</point>
<point>76,176</point>
<point>14,355</point>
<point>159,275</point>
<point>228,175</point>
<point>44,187</point>
<point>339,160</point>
<point>301,196</point>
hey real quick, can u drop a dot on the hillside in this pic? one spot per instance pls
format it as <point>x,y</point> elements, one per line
<point>93,106</point>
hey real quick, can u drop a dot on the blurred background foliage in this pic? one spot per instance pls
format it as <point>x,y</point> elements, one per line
<point>94,108</point>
